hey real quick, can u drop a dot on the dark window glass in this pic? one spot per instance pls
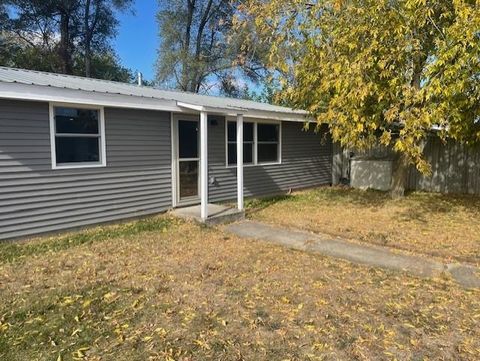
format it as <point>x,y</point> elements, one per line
<point>267,152</point>
<point>267,132</point>
<point>232,132</point>
<point>188,139</point>
<point>188,178</point>
<point>76,121</point>
<point>247,132</point>
<point>77,149</point>
<point>247,153</point>
<point>232,153</point>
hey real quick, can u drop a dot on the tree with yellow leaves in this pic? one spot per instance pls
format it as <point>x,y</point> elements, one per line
<point>379,72</point>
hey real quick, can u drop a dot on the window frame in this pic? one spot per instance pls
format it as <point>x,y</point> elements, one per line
<point>252,142</point>
<point>255,141</point>
<point>101,136</point>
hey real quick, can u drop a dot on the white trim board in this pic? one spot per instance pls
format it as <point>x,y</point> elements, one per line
<point>204,165</point>
<point>173,136</point>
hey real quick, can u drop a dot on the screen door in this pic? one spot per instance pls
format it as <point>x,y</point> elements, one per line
<point>188,160</point>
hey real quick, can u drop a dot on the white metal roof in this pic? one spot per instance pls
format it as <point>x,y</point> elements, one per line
<point>35,85</point>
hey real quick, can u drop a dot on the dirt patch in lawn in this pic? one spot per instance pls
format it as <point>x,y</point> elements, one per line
<point>178,291</point>
<point>444,226</point>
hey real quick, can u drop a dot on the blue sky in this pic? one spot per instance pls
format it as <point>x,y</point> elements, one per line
<point>137,39</point>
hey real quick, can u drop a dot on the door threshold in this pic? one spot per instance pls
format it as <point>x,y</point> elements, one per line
<point>188,203</point>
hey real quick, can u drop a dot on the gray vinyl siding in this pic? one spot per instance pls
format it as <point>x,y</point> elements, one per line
<point>36,199</point>
<point>306,162</point>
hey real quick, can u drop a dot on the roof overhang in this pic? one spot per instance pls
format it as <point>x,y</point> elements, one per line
<point>202,108</point>
<point>51,94</point>
<point>246,112</point>
<point>44,93</point>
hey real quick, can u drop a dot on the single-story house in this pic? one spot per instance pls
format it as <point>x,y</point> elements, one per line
<point>76,151</point>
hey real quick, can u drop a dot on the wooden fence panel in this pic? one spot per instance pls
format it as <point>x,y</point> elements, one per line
<point>455,168</point>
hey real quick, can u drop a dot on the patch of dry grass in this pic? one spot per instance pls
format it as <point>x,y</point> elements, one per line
<point>185,292</point>
<point>445,226</point>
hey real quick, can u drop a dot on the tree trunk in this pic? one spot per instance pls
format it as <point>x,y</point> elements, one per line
<point>197,69</point>
<point>88,40</point>
<point>64,49</point>
<point>400,172</point>
<point>401,165</point>
<point>88,62</point>
<point>186,47</point>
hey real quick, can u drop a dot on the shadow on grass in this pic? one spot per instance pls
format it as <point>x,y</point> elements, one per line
<point>368,198</point>
<point>258,204</point>
<point>338,195</point>
<point>12,251</point>
<point>415,206</point>
<point>419,205</point>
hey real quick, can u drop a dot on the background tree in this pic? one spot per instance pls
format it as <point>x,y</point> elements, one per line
<point>379,72</point>
<point>199,48</point>
<point>66,11</point>
<point>99,25</point>
<point>28,35</point>
<point>4,48</point>
<point>66,36</point>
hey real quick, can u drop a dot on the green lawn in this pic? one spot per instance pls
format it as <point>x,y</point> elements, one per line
<point>162,289</point>
<point>443,226</point>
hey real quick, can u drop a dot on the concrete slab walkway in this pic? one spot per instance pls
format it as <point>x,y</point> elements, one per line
<point>370,255</point>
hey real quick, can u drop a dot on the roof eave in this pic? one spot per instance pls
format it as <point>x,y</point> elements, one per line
<point>20,91</point>
<point>32,92</point>
<point>249,113</point>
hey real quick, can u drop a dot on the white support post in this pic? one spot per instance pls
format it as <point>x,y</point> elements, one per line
<point>203,165</point>
<point>240,161</point>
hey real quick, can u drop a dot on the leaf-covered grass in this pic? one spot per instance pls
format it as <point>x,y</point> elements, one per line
<point>445,226</point>
<point>10,251</point>
<point>185,292</point>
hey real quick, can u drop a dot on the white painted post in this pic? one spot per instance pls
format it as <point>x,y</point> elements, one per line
<point>240,161</point>
<point>203,165</point>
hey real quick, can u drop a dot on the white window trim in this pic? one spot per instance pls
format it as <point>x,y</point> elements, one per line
<point>53,151</point>
<point>255,142</point>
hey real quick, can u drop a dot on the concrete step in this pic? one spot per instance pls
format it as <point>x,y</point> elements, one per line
<point>217,214</point>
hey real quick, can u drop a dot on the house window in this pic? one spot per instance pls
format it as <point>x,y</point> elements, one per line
<point>261,143</point>
<point>268,143</point>
<point>77,139</point>
<point>248,143</point>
